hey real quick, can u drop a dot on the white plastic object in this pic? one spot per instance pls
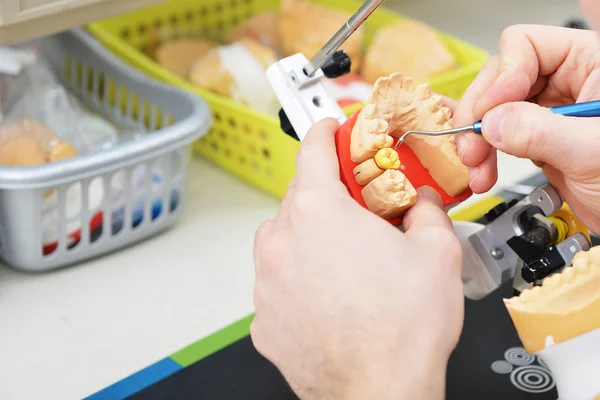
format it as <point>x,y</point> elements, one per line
<point>477,281</point>
<point>250,83</point>
<point>304,99</point>
<point>575,366</point>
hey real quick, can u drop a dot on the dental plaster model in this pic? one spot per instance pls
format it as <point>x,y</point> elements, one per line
<point>305,27</point>
<point>237,71</point>
<point>178,55</point>
<point>396,106</point>
<point>421,55</point>
<point>560,322</point>
<point>263,28</point>
<point>27,142</point>
<point>389,195</point>
<point>367,171</point>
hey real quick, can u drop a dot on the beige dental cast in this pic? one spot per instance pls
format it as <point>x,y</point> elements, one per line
<point>389,195</point>
<point>395,107</point>
<point>421,56</point>
<point>386,192</point>
<point>565,306</point>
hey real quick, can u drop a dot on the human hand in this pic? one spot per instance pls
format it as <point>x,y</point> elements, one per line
<point>538,67</point>
<point>348,306</point>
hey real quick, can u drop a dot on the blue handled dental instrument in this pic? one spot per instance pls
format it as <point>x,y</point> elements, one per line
<point>587,109</point>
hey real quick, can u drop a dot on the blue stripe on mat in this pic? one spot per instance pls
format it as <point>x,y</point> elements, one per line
<point>138,381</point>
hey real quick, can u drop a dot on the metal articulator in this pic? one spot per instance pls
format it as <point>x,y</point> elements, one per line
<point>530,239</point>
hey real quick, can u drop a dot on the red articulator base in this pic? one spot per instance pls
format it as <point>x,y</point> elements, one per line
<point>411,168</point>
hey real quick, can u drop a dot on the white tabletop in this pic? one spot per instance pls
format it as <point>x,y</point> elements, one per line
<point>64,335</point>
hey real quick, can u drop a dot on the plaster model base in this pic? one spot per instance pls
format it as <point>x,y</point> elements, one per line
<point>560,321</point>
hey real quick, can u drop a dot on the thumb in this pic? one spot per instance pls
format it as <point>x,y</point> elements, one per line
<point>426,213</point>
<point>527,130</point>
<point>316,161</point>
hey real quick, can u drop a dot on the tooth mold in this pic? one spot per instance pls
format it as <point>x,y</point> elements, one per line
<point>384,180</point>
<point>560,322</point>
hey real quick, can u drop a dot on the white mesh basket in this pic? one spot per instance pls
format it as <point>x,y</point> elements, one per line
<point>66,212</point>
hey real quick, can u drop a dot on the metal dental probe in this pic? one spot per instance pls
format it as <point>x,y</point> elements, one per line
<point>341,36</point>
<point>587,109</point>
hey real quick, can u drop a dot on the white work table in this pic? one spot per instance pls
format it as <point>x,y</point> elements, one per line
<point>69,333</point>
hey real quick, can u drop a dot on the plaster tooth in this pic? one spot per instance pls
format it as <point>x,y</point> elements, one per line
<point>526,295</point>
<point>536,291</point>
<point>382,88</point>
<point>376,126</point>
<point>434,103</point>
<point>594,255</point>
<point>442,116</point>
<point>386,109</point>
<point>403,198</point>
<point>552,282</point>
<point>370,111</point>
<point>423,92</point>
<point>568,275</point>
<point>382,126</point>
<point>396,81</point>
<point>581,264</point>
<point>382,141</point>
<point>431,107</point>
<point>407,83</point>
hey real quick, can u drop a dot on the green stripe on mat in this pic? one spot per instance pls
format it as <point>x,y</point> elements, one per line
<point>213,343</point>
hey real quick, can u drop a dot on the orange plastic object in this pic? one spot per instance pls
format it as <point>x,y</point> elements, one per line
<point>411,168</point>
<point>575,225</point>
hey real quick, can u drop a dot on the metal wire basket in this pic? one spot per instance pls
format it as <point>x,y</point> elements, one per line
<point>62,213</point>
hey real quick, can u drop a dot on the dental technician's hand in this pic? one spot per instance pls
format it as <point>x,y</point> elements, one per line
<point>347,306</point>
<point>547,66</point>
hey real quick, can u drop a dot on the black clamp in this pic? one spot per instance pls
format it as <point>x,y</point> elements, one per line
<point>338,65</point>
<point>535,247</point>
<point>498,210</point>
<point>540,256</point>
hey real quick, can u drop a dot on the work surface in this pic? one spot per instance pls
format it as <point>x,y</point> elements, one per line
<point>67,334</point>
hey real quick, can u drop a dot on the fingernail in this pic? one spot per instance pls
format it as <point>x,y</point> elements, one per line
<point>462,145</point>
<point>473,175</point>
<point>493,124</point>
<point>429,193</point>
